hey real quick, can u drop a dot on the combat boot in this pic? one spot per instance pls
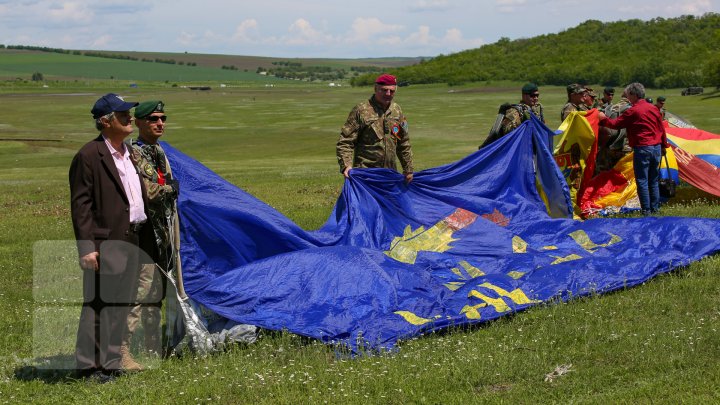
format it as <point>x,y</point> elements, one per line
<point>127,362</point>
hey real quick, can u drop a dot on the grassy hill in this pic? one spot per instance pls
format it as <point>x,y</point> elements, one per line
<point>55,64</point>
<point>660,53</point>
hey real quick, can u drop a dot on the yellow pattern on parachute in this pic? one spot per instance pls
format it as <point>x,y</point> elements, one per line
<point>434,239</point>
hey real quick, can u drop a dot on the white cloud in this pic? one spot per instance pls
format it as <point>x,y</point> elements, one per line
<point>423,42</point>
<point>247,31</point>
<point>454,40</point>
<point>303,33</point>
<point>366,29</point>
<point>689,7</point>
<point>421,36</point>
<point>509,6</point>
<point>669,9</point>
<point>288,28</point>
<point>186,38</point>
<point>70,12</point>
<point>102,41</point>
<point>430,5</point>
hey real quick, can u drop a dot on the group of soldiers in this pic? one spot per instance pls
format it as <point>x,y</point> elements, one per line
<point>376,131</point>
<point>613,143</point>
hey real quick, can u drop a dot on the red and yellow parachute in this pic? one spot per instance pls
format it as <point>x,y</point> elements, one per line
<point>694,157</point>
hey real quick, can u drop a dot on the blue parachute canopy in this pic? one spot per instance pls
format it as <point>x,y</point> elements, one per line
<point>463,243</point>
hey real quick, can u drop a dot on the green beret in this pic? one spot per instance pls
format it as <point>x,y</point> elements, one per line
<point>529,88</point>
<point>661,98</point>
<point>148,107</point>
<point>609,90</point>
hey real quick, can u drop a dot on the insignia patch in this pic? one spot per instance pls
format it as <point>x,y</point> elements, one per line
<point>148,169</point>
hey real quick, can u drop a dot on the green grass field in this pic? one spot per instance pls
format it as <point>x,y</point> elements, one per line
<point>58,68</point>
<point>657,343</point>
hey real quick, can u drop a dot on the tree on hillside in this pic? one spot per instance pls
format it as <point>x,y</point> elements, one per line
<point>711,72</point>
<point>37,77</point>
<point>658,53</point>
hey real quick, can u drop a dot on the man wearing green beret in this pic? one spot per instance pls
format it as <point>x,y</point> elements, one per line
<point>515,114</point>
<point>162,190</point>
<point>576,100</point>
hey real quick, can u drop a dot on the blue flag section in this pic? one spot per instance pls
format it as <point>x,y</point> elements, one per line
<point>462,244</point>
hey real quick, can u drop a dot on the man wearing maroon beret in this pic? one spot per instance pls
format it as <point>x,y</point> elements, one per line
<point>376,133</point>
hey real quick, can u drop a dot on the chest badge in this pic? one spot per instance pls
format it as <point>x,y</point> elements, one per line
<point>395,130</point>
<point>148,169</point>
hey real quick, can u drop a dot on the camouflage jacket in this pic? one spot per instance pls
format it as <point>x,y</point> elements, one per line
<point>570,107</point>
<point>619,108</point>
<point>373,137</point>
<point>154,169</point>
<point>513,118</point>
<point>602,105</point>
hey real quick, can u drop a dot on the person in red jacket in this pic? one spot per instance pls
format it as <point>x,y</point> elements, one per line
<point>646,135</point>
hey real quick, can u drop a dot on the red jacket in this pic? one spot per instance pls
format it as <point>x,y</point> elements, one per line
<point>643,123</point>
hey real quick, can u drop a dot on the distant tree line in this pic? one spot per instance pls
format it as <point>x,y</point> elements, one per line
<point>659,53</point>
<point>96,54</point>
<point>296,71</point>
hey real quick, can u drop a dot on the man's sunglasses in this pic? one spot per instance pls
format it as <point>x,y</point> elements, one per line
<point>155,118</point>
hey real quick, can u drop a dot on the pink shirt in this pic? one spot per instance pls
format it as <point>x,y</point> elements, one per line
<point>643,122</point>
<point>130,181</point>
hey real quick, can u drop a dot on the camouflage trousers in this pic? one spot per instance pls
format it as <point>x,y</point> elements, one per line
<point>147,308</point>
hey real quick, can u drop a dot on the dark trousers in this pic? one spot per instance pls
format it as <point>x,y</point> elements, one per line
<point>103,319</point>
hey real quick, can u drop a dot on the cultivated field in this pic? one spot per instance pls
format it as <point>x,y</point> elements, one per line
<point>189,68</point>
<point>655,343</point>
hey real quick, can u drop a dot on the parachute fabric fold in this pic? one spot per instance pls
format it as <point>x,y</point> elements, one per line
<point>461,244</point>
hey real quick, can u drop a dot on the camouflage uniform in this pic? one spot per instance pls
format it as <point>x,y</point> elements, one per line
<point>614,144</point>
<point>618,139</point>
<point>154,169</point>
<point>374,137</point>
<point>513,118</point>
<point>570,107</point>
<point>602,105</point>
<point>621,106</point>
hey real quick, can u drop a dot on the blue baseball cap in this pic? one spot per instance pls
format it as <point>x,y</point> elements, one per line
<point>110,102</point>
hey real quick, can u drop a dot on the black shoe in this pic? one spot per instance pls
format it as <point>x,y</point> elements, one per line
<point>116,372</point>
<point>101,377</point>
<point>84,373</point>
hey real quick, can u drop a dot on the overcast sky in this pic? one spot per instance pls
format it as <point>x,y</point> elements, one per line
<point>315,28</point>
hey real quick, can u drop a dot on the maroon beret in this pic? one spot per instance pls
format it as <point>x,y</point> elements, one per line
<point>386,80</point>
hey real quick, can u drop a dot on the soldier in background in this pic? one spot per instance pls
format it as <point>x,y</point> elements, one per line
<point>576,96</point>
<point>515,114</point>
<point>606,100</point>
<point>376,133</point>
<point>618,140</point>
<point>590,98</point>
<point>162,191</point>
<point>660,104</point>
